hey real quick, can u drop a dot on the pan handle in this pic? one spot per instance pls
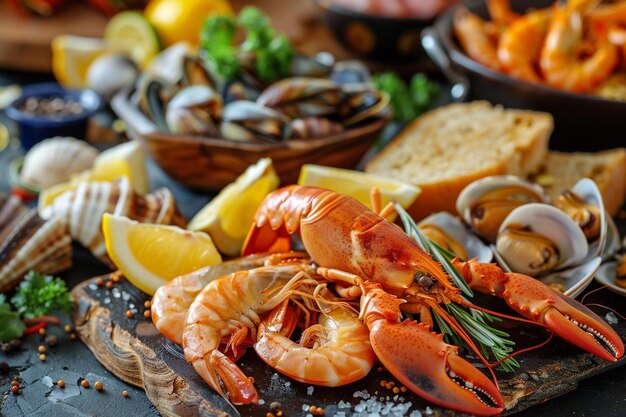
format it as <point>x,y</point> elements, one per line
<point>433,47</point>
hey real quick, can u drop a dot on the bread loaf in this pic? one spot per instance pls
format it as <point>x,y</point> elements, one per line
<point>449,147</point>
<point>562,170</point>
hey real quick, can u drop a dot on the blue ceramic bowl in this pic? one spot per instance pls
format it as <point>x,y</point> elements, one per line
<point>35,128</point>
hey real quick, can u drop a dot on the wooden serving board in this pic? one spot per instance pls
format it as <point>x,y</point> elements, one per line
<point>134,351</point>
<point>25,40</point>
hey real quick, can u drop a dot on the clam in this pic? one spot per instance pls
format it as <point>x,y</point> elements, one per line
<point>303,97</point>
<point>363,102</point>
<point>55,160</point>
<point>613,244</point>
<point>194,110</point>
<point>584,204</point>
<point>535,239</point>
<point>612,275</point>
<point>450,233</point>
<point>314,127</point>
<point>248,121</point>
<point>486,202</point>
<point>31,243</point>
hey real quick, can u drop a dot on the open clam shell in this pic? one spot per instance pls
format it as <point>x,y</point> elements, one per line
<point>486,202</point>
<point>594,217</point>
<point>613,244</point>
<point>574,280</point>
<point>455,229</point>
<point>548,223</point>
<point>606,276</point>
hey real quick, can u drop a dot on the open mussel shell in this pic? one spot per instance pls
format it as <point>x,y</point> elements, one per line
<point>574,280</point>
<point>485,203</point>
<point>194,110</point>
<point>363,102</point>
<point>303,97</point>
<point>247,121</point>
<point>314,127</point>
<point>584,204</point>
<point>607,275</point>
<point>152,93</point>
<point>613,244</point>
<point>537,238</point>
<point>309,66</point>
<point>350,72</point>
<point>168,64</point>
<point>450,233</point>
<point>196,72</point>
<point>237,89</point>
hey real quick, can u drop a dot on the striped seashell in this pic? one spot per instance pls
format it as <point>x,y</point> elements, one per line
<point>34,244</point>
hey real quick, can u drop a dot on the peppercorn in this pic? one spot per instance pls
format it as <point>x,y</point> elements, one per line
<point>99,386</point>
<point>100,281</point>
<point>41,349</point>
<point>42,357</point>
<point>147,304</point>
<point>68,328</point>
<point>84,383</point>
<point>15,389</point>
<point>115,277</point>
<point>61,383</point>
<point>147,314</point>
<point>109,285</point>
<point>129,314</point>
<point>42,331</point>
<point>72,336</point>
<point>125,394</point>
<point>52,340</point>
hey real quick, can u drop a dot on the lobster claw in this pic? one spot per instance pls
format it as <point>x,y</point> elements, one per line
<point>579,325</point>
<point>431,368</point>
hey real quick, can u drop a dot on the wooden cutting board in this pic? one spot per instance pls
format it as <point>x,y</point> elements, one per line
<point>25,40</point>
<point>134,351</point>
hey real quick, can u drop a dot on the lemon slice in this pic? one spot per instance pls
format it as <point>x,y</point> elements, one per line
<point>150,255</point>
<point>358,184</point>
<point>72,56</point>
<point>127,160</point>
<point>133,32</point>
<point>227,218</point>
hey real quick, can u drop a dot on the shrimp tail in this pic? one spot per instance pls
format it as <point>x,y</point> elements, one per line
<point>239,386</point>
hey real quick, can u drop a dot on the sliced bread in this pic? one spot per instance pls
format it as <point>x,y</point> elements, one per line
<point>449,147</point>
<point>562,170</point>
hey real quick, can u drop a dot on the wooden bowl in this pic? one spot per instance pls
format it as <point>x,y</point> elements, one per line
<point>212,163</point>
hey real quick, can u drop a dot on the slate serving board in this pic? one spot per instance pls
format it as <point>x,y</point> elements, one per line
<point>133,350</point>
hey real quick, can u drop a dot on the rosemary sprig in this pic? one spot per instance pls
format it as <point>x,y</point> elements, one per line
<point>490,341</point>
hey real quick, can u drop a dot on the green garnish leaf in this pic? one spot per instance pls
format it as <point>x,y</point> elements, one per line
<point>491,342</point>
<point>410,101</point>
<point>39,295</point>
<point>12,326</point>
<point>272,53</point>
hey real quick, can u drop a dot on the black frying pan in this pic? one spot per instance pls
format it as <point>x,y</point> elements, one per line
<point>582,122</point>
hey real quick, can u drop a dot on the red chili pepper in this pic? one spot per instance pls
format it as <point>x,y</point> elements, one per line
<point>47,319</point>
<point>35,328</point>
<point>23,194</point>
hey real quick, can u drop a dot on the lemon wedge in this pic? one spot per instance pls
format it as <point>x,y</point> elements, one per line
<point>358,184</point>
<point>227,218</point>
<point>127,160</point>
<point>150,255</point>
<point>72,56</point>
<point>131,31</point>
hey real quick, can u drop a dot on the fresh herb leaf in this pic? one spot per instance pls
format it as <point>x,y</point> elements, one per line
<point>39,295</point>
<point>490,341</point>
<point>410,101</point>
<point>12,326</point>
<point>216,37</point>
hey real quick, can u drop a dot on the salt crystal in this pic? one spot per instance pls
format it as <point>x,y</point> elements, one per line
<point>261,401</point>
<point>395,397</point>
<point>93,286</point>
<point>116,292</point>
<point>309,390</point>
<point>47,381</point>
<point>287,384</point>
<point>344,404</point>
<point>305,407</point>
<point>429,410</point>
<point>107,300</point>
<point>131,306</point>
<point>125,296</point>
<point>415,413</point>
<point>340,414</point>
<point>611,318</point>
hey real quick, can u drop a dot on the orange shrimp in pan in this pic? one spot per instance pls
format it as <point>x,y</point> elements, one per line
<point>476,38</point>
<point>562,64</point>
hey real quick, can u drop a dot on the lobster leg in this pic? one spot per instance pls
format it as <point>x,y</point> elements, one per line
<point>534,300</point>
<point>418,358</point>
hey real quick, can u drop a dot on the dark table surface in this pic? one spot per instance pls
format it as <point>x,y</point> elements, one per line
<point>602,395</point>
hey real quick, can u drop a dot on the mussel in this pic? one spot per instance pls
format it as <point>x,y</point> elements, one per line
<point>363,102</point>
<point>194,110</point>
<point>196,72</point>
<point>314,127</point>
<point>310,66</point>
<point>485,203</point>
<point>248,121</point>
<point>303,97</point>
<point>152,94</point>
<point>350,72</point>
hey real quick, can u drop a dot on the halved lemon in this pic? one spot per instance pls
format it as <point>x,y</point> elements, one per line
<point>358,184</point>
<point>227,218</point>
<point>72,56</point>
<point>150,255</point>
<point>131,31</point>
<point>127,159</point>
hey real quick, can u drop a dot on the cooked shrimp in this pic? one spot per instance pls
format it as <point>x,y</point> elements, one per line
<point>171,302</point>
<point>334,352</point>
<point>501,13</point>
<point>520,46</point>
<point>561,62</point>
<point>228,309</point>
<point>473,34</point>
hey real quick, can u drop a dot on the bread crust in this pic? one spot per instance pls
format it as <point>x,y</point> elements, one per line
<point>522,143</point>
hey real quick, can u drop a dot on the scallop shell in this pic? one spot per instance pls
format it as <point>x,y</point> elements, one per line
<point>11,209</point>
<point>550,222</point>
<point>54,160</point>
<point>157,207</point>
<point>474,247</point>
<point>34,244</point>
